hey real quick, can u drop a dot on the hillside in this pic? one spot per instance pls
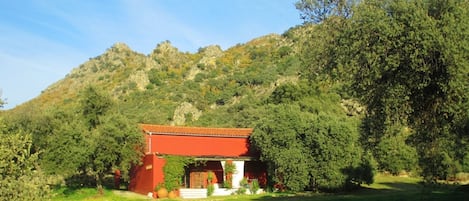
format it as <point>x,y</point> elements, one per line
<point>179,88</point>
<point>330,103</point>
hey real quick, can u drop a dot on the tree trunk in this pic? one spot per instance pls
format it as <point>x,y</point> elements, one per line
<point>99,184</point>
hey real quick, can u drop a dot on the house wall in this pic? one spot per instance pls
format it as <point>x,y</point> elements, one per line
<point>158,176</point>
<point>145,177</point>
<point>142,176</point>
<point>198,146</point>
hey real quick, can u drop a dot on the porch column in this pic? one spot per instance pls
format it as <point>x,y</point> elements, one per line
<point>238,174</point>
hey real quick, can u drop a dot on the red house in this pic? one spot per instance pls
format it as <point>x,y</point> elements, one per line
<point>214,146</point>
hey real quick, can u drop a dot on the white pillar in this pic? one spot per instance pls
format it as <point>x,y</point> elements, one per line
<point>223,166</point>
<point>238,174</point>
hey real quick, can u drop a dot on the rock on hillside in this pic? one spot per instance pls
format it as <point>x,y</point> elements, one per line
<point>171,87</point>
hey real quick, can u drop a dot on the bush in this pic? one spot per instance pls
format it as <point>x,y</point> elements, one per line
<point>210,189</point>
<point>242,186</point>
<point>174,170</point>
<point>254,187</point>
<point>230,169</point>
<point>462,176</point>
<point>394,155</point>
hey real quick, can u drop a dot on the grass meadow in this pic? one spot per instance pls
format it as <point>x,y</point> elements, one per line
<point>385,188</point>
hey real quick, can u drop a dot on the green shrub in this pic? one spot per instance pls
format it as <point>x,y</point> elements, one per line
<point>243,184</point>
<point>174,170</point>
<point>230,169</point>
<point>254,187</point>
<point>210,189</point>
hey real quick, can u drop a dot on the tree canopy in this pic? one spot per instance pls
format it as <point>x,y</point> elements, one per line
<point>308,146</point>
<point>408,63</point>
<point>95,143</point>
<point>316,11</point>
<point>20,175</point>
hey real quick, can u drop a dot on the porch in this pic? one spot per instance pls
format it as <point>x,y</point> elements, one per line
<point>196,178</point>
<point>193,193</point>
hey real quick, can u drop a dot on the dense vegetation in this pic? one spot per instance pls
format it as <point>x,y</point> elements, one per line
<point>407,62</point>
<point>361,86</point>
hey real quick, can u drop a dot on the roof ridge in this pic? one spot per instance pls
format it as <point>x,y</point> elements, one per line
<point>195,131</point>
<point>170,126</point>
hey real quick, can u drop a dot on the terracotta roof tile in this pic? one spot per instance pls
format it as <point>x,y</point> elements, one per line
<point>195,131</point>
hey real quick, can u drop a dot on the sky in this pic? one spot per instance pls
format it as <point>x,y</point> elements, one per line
<point>41,41</point>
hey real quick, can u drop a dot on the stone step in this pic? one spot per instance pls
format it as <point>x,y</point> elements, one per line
<point>192,193</point>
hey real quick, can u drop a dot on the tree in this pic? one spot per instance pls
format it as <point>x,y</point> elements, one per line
<point>339,161</point>
<point>394,154</point>
<point>20,176</point>
<point>94,104</point>
<point>94,143</point>
<point>112,141</point>
<point>65,149</point>
<point>115,144</point>
<point>316,11</point>
<point>303,149</point>
<point>278,137</point>
<point>408,62</point>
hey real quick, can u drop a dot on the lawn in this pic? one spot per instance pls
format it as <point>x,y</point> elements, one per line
<point>385,188</point>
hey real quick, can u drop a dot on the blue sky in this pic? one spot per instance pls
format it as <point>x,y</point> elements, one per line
<point>43,40</point>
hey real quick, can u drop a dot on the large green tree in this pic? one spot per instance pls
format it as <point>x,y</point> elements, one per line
<point>116,144</point>
<point>94,105</point>
<point>278,137</point>
<point>113,141</point>
<point>64,147</point>
<point>93,143</point>
<point>408,62</point>
<point>307,140</point>
<point>21,177</point>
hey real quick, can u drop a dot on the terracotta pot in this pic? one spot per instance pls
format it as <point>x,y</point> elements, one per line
<point>162,193</point>
<point>172,195</point>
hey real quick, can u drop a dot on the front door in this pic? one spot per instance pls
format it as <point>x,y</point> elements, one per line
<point>198,179</point>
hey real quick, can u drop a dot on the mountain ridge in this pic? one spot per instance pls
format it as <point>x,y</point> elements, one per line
<point>193,84</point>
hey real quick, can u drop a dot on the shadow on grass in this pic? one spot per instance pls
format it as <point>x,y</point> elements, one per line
<point>391,191</point>
<point>81,185</point>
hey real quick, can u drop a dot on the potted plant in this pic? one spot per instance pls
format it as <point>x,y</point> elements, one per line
<point>161,191</point>
<point>173,171</point>
<point>230,169</point>
<point>210,182</point>
<point>254,187</point>
<point>172,194</point>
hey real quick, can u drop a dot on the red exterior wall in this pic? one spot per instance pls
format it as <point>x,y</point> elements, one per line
<point>158,176</point>
<point>199,142</point>
<point>198,146</point>
<point>142,176</point>
<point>145,177</point>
